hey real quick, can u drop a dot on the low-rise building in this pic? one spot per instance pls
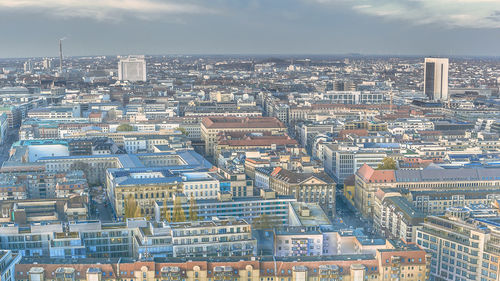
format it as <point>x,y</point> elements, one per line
<point>218,238</point>
<point>407,261</point>
<point>395,217</point>
<point>305,187</point>
<point>249,208</point>
<point>369,180</point>
<point>211,127</point>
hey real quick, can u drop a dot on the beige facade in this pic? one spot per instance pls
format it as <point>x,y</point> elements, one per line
<point>212,126</point>
<point>305,187</point>
<point>387,265</point>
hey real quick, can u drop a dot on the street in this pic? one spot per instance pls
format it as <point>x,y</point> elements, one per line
<point>12,136</point>
<point>349,216</point>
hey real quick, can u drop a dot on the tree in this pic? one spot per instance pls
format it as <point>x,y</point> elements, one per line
<point>183,131</point>
<point>193,209</point>
<point>178,215</point>
<point>138,212</point>
<point>264,221</point>
<point>124,128</point>
<point>111,114</point>
<point>388,164</point>
<point>82,166</point>
<point>166,212</point>
<point>132,210</point>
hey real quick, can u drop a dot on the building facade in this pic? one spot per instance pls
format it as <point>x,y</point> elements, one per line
<point>436,79</point>
<point>132,68</point>
<point>461,248</point>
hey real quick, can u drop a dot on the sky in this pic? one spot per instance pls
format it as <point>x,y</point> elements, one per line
<point>30,28</point>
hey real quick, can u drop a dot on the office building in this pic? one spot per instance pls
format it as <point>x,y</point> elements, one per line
<point>132,69</point>
<point>436,79</point>
<point>275,207</point>
<point>341,161</point>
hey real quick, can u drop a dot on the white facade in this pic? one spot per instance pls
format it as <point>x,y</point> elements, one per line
<point>200,185</point>
<point>343,161</point>
<point>299,244</point>
<point>4,125</point>
<point>354,97</point>
<point>8,261</point>
<point>436,78</point>
<point>132,68</point>
<point>213,238</point>
<point>261,180</point>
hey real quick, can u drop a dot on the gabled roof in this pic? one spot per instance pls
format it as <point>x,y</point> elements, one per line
<point>369,174</point>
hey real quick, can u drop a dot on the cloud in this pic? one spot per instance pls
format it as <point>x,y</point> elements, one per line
<point>449,13</point>
<point>106,9</point>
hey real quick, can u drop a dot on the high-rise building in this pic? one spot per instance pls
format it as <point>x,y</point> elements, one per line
<point>436,79</point>
<point>47,63</point>
<point>132,68</point>
<point>28,66</point>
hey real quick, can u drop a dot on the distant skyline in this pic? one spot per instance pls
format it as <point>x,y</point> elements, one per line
<point>32,28</point>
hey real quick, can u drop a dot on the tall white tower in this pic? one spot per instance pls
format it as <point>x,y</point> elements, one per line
<point>132,68</point>
<point>436,79</point>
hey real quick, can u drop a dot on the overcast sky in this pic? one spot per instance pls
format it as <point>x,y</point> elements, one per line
<point>393,27</point>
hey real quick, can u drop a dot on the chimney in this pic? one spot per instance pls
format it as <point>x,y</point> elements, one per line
<point>60,56</point>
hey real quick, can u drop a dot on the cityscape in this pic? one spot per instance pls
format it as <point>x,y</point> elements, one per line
<point>269,166</point>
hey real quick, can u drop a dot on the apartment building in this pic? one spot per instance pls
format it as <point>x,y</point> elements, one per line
<point>300,241</point>
<point>306,132</point>
<point>134,238</point>
<point>395,217</point>
<point>462,247</point>
<point>216,238</point>
<point>8,261</point>
<point>436,202</point>
<point>383,266</point>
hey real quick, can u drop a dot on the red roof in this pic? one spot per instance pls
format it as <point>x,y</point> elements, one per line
<point>242,122</point>
<point>369,174</point>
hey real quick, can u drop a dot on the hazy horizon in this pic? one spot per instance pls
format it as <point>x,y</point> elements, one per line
<point>32,28</point>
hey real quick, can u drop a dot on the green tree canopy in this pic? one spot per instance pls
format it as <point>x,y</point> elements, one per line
<point>82,166</point>
<point>167,214</point>
<point>178,215</point>
<point>388,164</point>
<point>193,209</point>
<point>132,209</point>
<point>263,222</point>
<point>124,128</point>
<point>183,131</point>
